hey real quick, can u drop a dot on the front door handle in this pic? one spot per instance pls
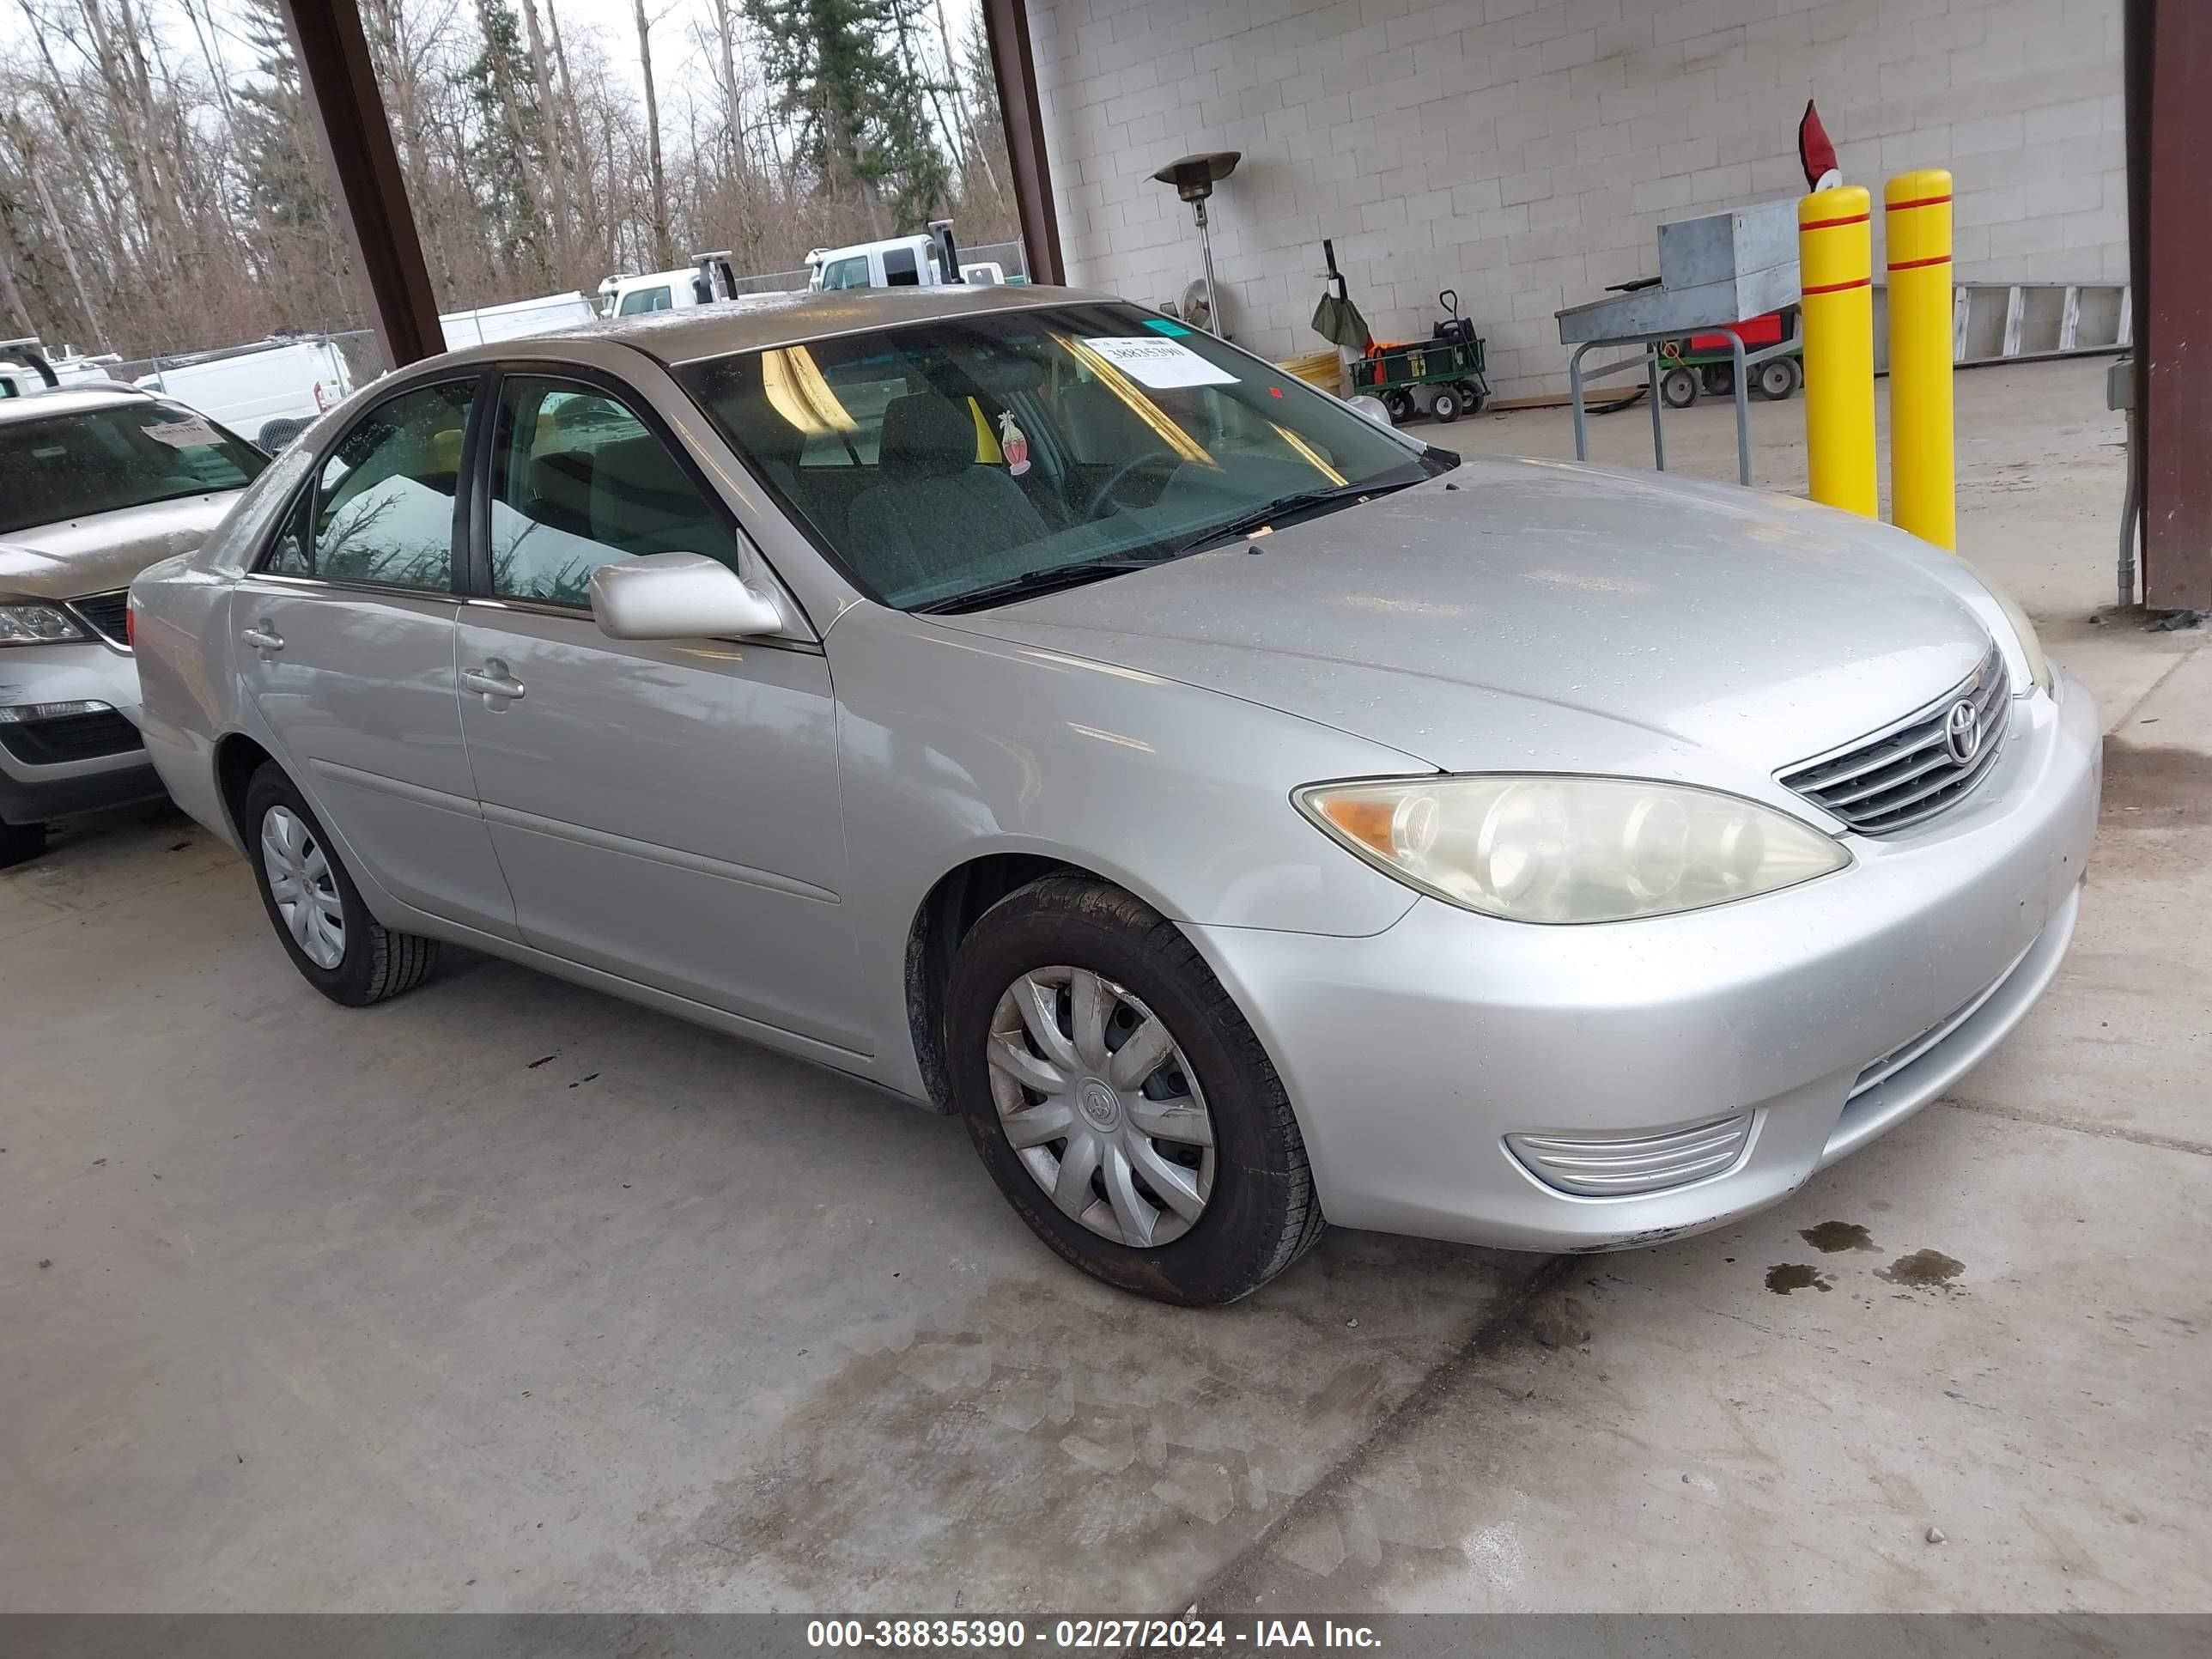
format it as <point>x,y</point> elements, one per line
<point>262,637</point>
<point>492,682</point>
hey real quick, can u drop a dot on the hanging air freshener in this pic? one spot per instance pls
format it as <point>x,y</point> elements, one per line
<point>1015,443</point>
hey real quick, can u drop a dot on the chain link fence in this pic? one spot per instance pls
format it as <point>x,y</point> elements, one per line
<point>364,358</point>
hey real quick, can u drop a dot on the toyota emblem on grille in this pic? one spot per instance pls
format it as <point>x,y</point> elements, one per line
<point>1962,732</point>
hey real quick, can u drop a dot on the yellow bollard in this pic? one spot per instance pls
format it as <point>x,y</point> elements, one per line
<point>1835,258</point>
<point>1923,468</point>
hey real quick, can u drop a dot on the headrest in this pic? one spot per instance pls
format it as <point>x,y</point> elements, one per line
<point>760,431</point>
<point>926,436</point>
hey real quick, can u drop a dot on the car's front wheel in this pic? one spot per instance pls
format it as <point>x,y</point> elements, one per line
<point>1120,1101</point>
<point>338,947</point>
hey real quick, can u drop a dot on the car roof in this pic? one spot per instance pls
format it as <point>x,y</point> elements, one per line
<point>754,322</point>
<point>68,400</point>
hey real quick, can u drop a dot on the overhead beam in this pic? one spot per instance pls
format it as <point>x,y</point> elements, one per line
<point>1006,26</point>
<point>2169,47</point>
<point>364,171</point>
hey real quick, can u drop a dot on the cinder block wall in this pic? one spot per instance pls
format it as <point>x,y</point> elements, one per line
<point>1523,151</point>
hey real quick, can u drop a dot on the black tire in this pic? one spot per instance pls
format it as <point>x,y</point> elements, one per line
<point>1677,387</point>
<point>1777,379</point>
<point>1445,406</point>
<point>1470,397</point>
<point>1400,405</point>
<point>19,843</point>
<point>1262,1214</point>
<point>377,963</point>
<point>1719,379</point>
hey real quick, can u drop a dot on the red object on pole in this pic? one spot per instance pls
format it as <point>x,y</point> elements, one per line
<point>1815,151</point>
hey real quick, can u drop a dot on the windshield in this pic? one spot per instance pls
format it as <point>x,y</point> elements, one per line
<point>100,460</point>
<point>943,458</point>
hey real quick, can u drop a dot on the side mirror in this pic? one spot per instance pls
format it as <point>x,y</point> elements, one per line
<point>677,596</point>
<point>1372,408</point>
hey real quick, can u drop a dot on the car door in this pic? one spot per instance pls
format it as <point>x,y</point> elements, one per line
<point>667,810</point>
<point>345,641</point>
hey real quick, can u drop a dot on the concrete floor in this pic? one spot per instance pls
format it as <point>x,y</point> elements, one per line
<point>509,1296</point>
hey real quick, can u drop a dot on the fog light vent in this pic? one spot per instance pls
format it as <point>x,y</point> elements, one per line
<point>1597,1166</point>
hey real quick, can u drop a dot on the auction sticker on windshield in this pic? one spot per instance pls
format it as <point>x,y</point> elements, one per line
<point>191,433</point>
<point>1158,363</point>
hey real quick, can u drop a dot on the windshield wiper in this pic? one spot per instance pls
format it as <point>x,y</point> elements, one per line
<point>1270,514</point>
<point>1031,583</point>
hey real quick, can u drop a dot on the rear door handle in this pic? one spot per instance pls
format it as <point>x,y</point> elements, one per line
<point>492,682</point>
<point>262,637</point>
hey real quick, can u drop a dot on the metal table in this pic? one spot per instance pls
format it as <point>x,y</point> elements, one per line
<point>1714,271</point>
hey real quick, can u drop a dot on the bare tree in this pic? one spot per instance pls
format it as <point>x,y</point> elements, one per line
<point>664,250</point>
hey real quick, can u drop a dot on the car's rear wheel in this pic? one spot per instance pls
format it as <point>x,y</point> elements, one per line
<point>21,842</point>
<point>338,947</point>
<point>1120,1101</point>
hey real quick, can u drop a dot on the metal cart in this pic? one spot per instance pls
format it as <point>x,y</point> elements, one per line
<point>1448,365</point>
<point>1704,362</point>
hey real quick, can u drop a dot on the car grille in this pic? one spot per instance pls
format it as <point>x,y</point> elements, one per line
<point>107,615</point>
<point>1595,1167</point>
<point>1908,772</point>
<point>71,738</point>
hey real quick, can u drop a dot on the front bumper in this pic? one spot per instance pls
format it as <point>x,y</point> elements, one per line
<point>34,789</point>
<point>1825,1014</point>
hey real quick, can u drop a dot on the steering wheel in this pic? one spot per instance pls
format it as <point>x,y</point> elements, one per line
<point>1104,497</point>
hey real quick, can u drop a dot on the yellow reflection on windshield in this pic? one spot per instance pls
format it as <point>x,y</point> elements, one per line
<point>1174,437</point>
<point>1313,455</point>
<point>797,392</point>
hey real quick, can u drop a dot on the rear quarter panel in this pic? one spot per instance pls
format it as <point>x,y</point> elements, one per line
<point>181,615</point>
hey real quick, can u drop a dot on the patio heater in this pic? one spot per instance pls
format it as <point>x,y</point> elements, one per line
<point>1194,177</point>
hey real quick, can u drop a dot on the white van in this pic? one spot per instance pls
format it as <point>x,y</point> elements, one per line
<point>269,392</point>
<point>517,319</point>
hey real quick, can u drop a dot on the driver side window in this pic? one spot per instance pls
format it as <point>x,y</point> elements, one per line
<point>579,480</point>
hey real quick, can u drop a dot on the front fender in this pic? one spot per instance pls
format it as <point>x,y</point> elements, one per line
<point>953,746</point>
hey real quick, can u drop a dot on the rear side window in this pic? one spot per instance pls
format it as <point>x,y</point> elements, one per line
<point>577,481</point>
<point>899,269</point>
<point>381,512</point>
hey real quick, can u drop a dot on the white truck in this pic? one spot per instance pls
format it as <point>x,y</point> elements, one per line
<point>930,260</point>
<point>270,391</point>
<point>26,365</point>
<point>515,320</point>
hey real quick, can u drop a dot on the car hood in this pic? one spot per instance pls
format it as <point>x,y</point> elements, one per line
<point>1481,618</point>
<point>99,554</point>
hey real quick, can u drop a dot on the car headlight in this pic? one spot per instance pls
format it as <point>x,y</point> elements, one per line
<point>38,624</point>
<point>1568,849</point>
<point>2031,643</point>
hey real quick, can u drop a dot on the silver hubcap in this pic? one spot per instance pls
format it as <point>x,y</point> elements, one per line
<point>1101,1107</point>
<point>300,881</point>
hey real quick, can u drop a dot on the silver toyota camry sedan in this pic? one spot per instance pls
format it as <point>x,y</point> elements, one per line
<point>1240,814</point>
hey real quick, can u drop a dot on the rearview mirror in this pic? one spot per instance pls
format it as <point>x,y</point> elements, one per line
<point>677,596</point>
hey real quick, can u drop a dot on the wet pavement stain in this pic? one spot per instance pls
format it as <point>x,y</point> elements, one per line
<point>1831,1237</point>
<point>1925,1270</point>
<point>1787,1276</point>
<point>1151,1446</point>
